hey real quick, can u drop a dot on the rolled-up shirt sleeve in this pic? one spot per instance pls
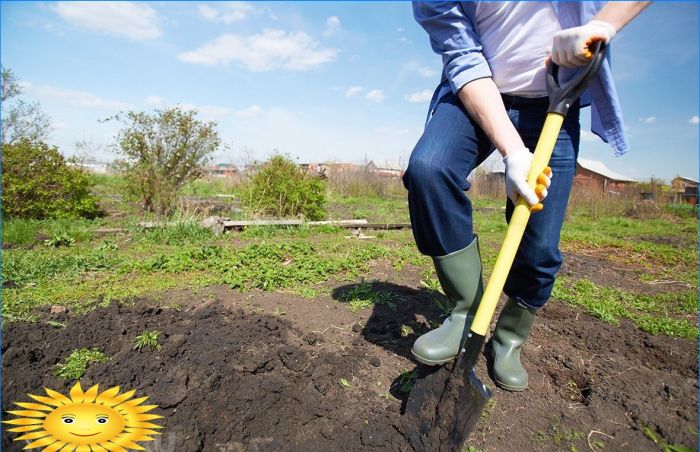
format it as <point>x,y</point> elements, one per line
<point>453,36</point>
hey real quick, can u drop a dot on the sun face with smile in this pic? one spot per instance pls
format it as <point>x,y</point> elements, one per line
<point>82,423</point>
<point>86,421</point>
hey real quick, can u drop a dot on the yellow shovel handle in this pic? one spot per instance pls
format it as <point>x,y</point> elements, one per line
<point>516,227</point>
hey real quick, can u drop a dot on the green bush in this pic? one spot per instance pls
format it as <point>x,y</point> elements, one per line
<point>162,151</point>
<point>281,189</point>
<point>38,183</point>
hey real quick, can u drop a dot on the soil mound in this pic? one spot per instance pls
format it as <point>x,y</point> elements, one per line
<point>224,379</point>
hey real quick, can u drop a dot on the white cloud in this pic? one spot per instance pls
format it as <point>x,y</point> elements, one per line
<point>420,96</point>
<point>76,98</point>
<point>249,112</point>
<point>270,50</point>
<point>589,136</point>
<point>353,90</point>
<point>648,120</point>
<point>227,12</point>
<point>135,21</point>
<point>207,111</point>
<point>426,72</point>
<point>400,29</point>
<point>332,26</point>
<point>156,101</point>
<point>376,95</point>
<point>694,120</point>
<point>404,40</point>
<point>208,12</point>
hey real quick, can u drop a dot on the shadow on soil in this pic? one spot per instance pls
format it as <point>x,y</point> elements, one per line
<point>398,317</point>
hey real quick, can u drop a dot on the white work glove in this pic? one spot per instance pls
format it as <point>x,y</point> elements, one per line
<point>570,46</point>
<point>518,164</point>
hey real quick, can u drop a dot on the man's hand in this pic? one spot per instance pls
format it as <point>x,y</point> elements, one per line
<point>518,164</point>
<point>570,47</point>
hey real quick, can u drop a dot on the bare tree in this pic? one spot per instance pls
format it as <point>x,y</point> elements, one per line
<point>21,119</point>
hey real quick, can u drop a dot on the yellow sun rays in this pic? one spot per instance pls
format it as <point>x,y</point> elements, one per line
<point>108,421</point>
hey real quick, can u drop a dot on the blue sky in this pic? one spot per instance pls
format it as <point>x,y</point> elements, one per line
<point>340,81</point>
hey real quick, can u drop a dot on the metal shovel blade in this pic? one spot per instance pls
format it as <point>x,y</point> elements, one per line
<point>446,403</point>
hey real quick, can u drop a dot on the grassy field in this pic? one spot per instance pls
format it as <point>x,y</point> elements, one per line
<point>65,262</point>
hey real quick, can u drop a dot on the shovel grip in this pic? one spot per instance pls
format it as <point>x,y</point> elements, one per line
<point>516,227</point>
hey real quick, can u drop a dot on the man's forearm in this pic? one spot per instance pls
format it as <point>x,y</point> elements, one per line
<point>619,14</point>
<point>483,101</point>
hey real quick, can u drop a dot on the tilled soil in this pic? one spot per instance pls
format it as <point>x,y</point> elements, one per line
<point>263,371</point>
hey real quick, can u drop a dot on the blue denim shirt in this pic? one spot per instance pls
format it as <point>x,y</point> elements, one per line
<point>453,35</point>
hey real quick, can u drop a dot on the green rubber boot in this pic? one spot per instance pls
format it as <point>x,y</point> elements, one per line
<point>459,274</point>
<point>511,332</point>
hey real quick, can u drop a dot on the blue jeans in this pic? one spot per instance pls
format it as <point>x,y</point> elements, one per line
<point>452,145</point>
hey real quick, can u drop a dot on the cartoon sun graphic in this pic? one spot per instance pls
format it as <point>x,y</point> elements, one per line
<point>85,422</point>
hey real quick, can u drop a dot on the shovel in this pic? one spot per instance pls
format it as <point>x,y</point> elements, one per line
<point>446,402</point>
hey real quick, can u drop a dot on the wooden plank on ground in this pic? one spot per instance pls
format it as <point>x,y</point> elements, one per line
<point>229,224</point>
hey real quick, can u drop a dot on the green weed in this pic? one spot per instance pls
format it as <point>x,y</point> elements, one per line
<point>147,339</point>
<point>76,363</point>
<point>363,295</point>
<point>59,240</point>
<point>406,380</point>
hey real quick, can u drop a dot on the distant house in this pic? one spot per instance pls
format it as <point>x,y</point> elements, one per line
<point>592,174</point>
<point>319,170</point>
<point>679,184</point>
<point>385,169</point>
<point>221,170</point>
<point>685,189</point>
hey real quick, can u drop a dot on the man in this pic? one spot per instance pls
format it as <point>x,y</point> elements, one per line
<point>493,95</point>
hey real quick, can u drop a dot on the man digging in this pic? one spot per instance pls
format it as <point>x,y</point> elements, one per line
<point>493,96</point>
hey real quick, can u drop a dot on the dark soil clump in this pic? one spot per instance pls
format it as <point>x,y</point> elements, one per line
<point>224,379</point>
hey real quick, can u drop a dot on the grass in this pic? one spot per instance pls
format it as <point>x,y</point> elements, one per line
<point>88,271</point>
<point>75,365</point>
<point>147,339</point>
<point>20,232</point>
<point>212,186</point>
<point>559,436</point>
<point>651,313</point>
<point>662,445</point>
<point>388,209</point>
